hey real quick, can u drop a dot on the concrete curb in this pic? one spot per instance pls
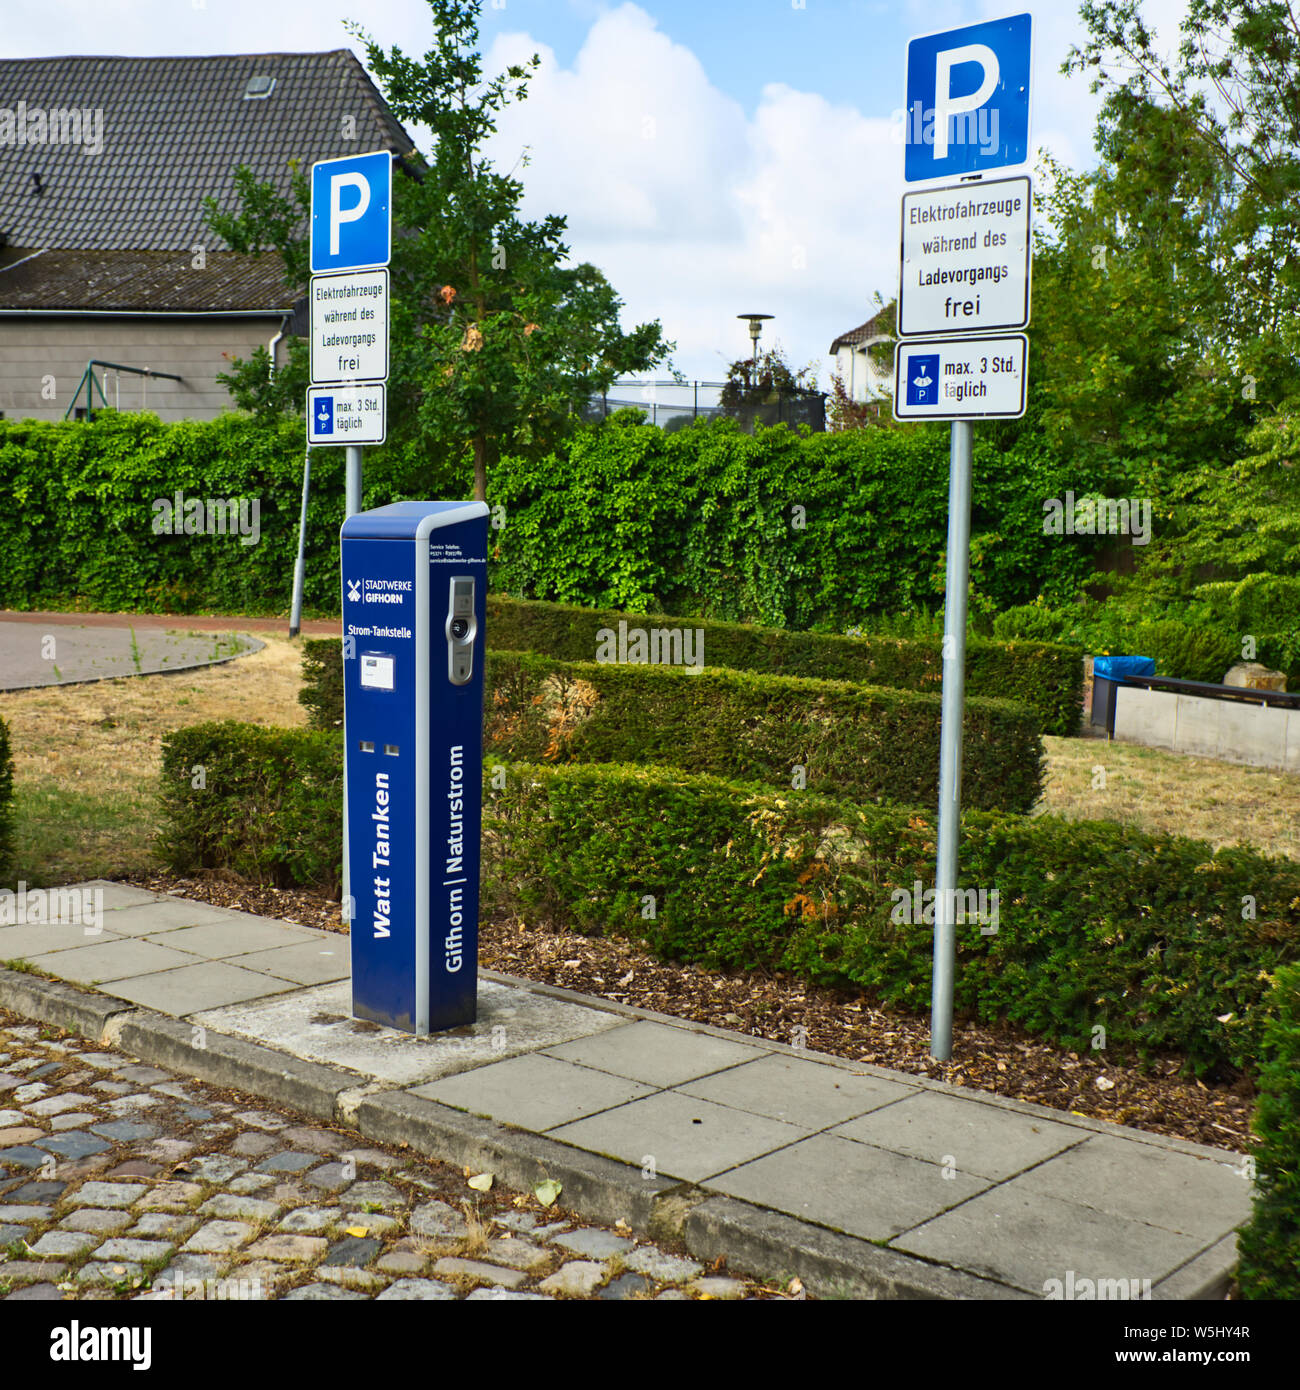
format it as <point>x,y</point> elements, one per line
<point>829,1264</point>
<point>1205,1277</point>
<point>767,1244</point>
<point>596,1187</point>
<point>51,1001</point>
<point>228,1061</point>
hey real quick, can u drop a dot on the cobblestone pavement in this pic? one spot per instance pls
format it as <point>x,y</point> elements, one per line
<point>125,1181</point>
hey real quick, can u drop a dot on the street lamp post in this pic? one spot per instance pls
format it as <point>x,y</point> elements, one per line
<point>755,332</point>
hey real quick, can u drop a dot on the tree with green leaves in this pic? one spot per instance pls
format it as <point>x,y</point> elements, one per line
<point>497,339</point>
<point>1213,130</point>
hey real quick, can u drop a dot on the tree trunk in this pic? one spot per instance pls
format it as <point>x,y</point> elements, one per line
<point>480,468</point>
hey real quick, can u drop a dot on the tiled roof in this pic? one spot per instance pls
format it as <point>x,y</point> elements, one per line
<point>145,281</point>
<point>855,337</point>
<point>174,130</point>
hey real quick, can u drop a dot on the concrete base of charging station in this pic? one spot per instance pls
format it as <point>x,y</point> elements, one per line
<point>863,1182</point>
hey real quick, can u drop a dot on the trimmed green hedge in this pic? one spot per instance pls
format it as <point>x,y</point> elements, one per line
<point>1046,676</point>
<point>1269,1247</point>
<point>848,740</point>
<point>6,804</point>
<point>262,803</point>
<point>792,530</point>
<point>1099,924</point>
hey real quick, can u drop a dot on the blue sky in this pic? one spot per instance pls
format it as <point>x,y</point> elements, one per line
<point>711,156</point>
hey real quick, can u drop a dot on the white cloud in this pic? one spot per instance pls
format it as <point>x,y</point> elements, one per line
<point>696,212</point>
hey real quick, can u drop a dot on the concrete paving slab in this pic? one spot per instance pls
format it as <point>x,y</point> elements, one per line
<point>192,988</point>
<point>849,1187</point>
<point>119,959</point>
<point>316,1024</point>
<point>308,962</point>
<point>656,1054</point>
<point>239,934</point>
<point>167,914</point>
<point>43,938</point>
<point>1144,1182</point>
<point>1025,1238</point>
<point>534,1092</point>
<point>115,895</point>
<point>813,1094</point>
<point>683,1136</point>
<point>975,1138</point>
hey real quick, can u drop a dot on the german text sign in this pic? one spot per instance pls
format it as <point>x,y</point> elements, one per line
<point>349,326</point>
<point>965,258</point>
<point>346,414</point>
<point>960,378</point>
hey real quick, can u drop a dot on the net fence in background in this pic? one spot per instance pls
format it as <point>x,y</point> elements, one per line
<point>672,404</point>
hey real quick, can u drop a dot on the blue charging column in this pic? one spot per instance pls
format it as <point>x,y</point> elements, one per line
<point>414,591</point>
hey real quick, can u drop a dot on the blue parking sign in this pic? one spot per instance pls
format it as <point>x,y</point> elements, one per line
<point>923,379</point>
<point>323,415</point>
<point>968,99</point>
<point>351,212</point>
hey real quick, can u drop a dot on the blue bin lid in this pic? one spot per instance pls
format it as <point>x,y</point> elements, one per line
<point>1115,668</point>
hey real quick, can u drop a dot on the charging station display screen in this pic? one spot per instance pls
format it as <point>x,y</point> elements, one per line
<point>378,672</point>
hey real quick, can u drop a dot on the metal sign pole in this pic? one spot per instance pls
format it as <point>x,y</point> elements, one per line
<point>299,569</point>
<point>950,739</point>
<point>352,484</point>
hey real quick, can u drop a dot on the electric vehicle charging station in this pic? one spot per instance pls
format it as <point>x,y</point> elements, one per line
<point>414,603</point>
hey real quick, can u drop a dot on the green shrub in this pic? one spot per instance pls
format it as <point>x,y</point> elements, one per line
<point>262,803</point>
<point>1099,924</point>
<point>78,529</point>
<point>1188,653</point>
<point>6,804</point>
<point>322,682</point>
<point>1047,677</point>
<point>1269,1247</point>
<point>816,531</point>
<point>1180,649</point>
<point>1032,622</point>
<point>840,739</point>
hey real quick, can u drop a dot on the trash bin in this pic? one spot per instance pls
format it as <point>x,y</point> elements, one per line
<point>1108,673</point>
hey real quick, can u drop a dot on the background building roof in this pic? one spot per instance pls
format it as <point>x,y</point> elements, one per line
<point>174,130</point>
<point>864,333</point>
<point>145,282</point>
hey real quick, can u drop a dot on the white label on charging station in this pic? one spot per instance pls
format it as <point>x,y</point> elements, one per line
<point>378,672</point>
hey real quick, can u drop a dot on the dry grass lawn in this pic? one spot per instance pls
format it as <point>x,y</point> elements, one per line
<point>1168,792</point>
<point>86,757</point>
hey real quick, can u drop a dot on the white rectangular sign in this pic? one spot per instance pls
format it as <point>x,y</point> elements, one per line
<point>349,326</point>
<point>960,378</point>
<point>965,258</point>
<point>346,414</point>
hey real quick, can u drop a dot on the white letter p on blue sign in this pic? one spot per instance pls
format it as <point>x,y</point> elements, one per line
<point>351,212</point>
<point>968,100</point>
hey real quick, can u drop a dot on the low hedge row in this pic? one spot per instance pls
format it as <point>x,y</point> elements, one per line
<point>1044,675</point>
<point>1100,925</point>
<point>1269,1247</point>
<point>6,804</point>
<point>850,740</point>
<point>261,803</point>
<point>829,736</point>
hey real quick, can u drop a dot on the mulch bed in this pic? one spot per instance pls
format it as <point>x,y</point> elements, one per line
<point>1001,1060</point>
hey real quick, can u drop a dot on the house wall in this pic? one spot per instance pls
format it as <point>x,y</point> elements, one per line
<point>36,347</point>
<point>1259,735</point>
<point>861,379</point>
